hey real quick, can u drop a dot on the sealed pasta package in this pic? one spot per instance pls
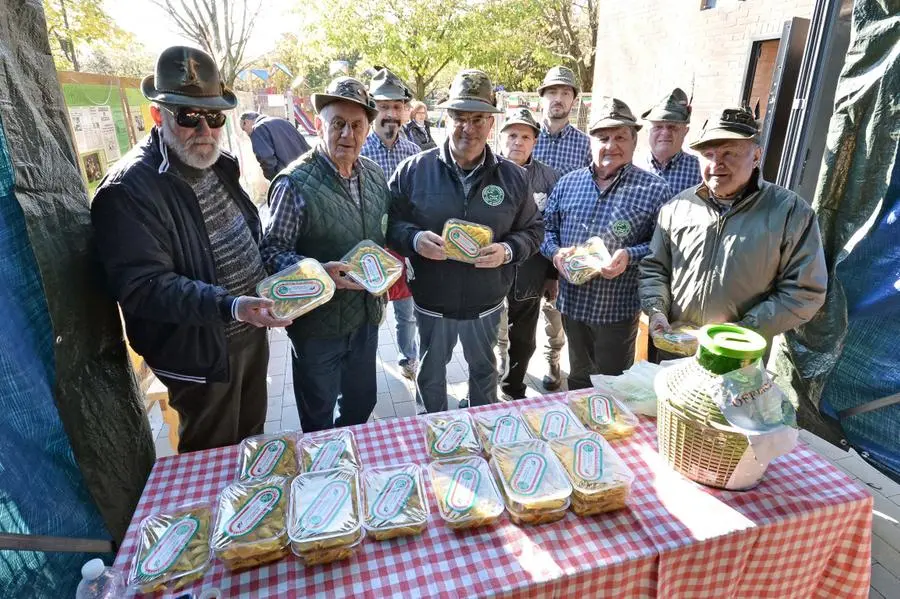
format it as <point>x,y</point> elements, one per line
<point>265,455</point>
<point>603,413</point>
<point>373,267</point>
<point>395,502</point>
<point>173,549</point>
<point>251,523</point>
<point>324,519</point>
<point>463,240</point>
<point>585,262</point>
<point>297,289</point>
<point>450,434</point>
<point>551,421</point>
<point>681,340</point>
<point>329,449</point>
<point>601,481</point>
<point>500,427</point>
<point>533,481</point>
<point>466,493</point>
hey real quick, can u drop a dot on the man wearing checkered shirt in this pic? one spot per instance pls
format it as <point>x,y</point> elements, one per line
<point>618,202</point>
<point>559,144</point>
<point>669,121</point>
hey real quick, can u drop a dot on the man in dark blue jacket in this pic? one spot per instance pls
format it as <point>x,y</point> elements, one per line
<point>276,142</point>
<point>178,238</point>
<point>464,180</point>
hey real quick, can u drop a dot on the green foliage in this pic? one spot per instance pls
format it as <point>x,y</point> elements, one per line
<point>74,26</point>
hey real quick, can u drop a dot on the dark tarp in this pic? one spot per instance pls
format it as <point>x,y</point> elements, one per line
<point>95,390</point>
<point>860,158</point>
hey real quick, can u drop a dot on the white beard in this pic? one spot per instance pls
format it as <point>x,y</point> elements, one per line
<point>186,154</point>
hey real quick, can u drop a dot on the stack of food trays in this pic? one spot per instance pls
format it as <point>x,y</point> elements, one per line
<point>534,483</point>
<point>601,482</point>
<point>324,520</point>
<point>602,414</point>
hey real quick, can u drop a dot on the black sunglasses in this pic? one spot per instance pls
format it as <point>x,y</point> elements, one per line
<point>190,118</point>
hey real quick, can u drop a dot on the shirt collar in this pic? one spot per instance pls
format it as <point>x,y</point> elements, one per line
<point>353,173</point>
<point>620,174</point>
<point>487,157</point>
<point>670,164</point>
<point>380,141</point>
<point>562,132</point>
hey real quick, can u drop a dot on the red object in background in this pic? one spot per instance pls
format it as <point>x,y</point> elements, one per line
<point>400,290</point>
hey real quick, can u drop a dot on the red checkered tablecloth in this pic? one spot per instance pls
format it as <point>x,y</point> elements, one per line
<point>805,531</point>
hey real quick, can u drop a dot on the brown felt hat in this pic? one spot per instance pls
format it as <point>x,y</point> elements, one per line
<point>187,77</point>
<point>345,89</point>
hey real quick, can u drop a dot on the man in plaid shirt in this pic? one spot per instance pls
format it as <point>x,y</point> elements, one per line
<point>669,121</point>
<point>618,202</point>
<point>559,144</point>
<point>386,146</point>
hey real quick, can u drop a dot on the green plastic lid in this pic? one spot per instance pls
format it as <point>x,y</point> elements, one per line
<point>732,341</point>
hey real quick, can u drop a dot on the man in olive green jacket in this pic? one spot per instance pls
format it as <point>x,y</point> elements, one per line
<point>734,248</point>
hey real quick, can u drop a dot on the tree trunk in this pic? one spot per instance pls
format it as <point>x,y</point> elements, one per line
<point>68,46</point>
<point>420,87</point>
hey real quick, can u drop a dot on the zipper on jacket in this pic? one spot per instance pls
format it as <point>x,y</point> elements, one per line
<point>707,279</point>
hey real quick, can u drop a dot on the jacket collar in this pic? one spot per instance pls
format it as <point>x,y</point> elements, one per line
<point>487,159</point>
<point>324,157</point>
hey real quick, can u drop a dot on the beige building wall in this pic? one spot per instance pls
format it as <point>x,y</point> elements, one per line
<point>645,48</point>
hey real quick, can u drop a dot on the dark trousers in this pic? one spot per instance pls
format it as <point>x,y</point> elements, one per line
<point>599,349</point>
<point>334,370</point>
<point>437,338</point>
<point>221,414</point>
<point>523,318</point>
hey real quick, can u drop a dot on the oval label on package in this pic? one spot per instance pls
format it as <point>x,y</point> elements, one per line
<point>325,506</point>
<point>589,459</point>
<point>601,409</point>
<point>506,430</point>
<point>465,242</point>
<point>394,496</point>
<point>328,455</point>
<point>528,473</point>
<point>253,512</point>
<point>372,270</point>
<point>463,489</point>
<point>555,424</point>
<point>451,438</point>
<point>303,289</point>
<point>169,547</point>
<point>266,458</point>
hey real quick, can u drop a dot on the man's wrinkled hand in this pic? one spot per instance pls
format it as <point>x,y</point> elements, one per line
<point>258,312</point>
<point>491,256</point>
<point>338,273</point>
<point>551,289</point>
<point>659,324</point>
<point>616,266</point>
<point>560,255</point>
<point>430,245</point>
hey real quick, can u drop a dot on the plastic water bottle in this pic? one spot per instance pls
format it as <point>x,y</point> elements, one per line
<point>99,582</point>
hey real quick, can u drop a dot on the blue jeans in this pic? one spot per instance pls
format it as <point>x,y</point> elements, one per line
<point>437,338</point>
<point>335,370</point>
<point>404,313</point>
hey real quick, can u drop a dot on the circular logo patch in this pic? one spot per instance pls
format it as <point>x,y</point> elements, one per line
<point>384,225</point>
<point>492,195</point>
<point>621,228</point>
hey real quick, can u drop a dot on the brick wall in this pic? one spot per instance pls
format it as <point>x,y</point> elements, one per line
<point>647,47</point>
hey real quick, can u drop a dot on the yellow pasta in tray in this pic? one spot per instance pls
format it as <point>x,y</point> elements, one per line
<point>603,414</point>
<point>450,434</point>
<point>465,491</point>
<point>373,267</point>
<point>251,523</point>
<point>325,523</point>
<point>601,481</point>
<point>173,549</point>
<point>681,340</point>
<point>297,289</point>
<point>265,455</point>
<point>395,502</point>
<point>463,240</point>
<point>551,421</point>
<point>500,427</point>
<point>585,262</point>
<point>531,478</point>
<point>329,449</point>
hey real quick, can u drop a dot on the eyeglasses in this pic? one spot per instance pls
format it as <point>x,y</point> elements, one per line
<point>190,118</point>
<point>461,122</point>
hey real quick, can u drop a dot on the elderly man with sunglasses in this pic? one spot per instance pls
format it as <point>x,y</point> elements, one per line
<point>455,300</point>
<point>178,237</point>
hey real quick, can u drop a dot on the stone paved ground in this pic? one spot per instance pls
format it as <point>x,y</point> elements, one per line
<point>396,398</point>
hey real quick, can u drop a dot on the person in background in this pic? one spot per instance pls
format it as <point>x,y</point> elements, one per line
<point>618,202</point>
<point>669,121</point>
<point>386,147</point>
<point>462,179</point>
<point>177,236</point>
<point>322,206</point>
<point>734,248</point>
<point>535,277</point>
<point>276,143</point>
<point>418,129</point>
<point>559,144</point>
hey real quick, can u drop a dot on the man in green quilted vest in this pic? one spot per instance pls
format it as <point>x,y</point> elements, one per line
<point>322,205</point>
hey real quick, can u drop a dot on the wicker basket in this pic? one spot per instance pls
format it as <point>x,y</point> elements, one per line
<point>694,436</point>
